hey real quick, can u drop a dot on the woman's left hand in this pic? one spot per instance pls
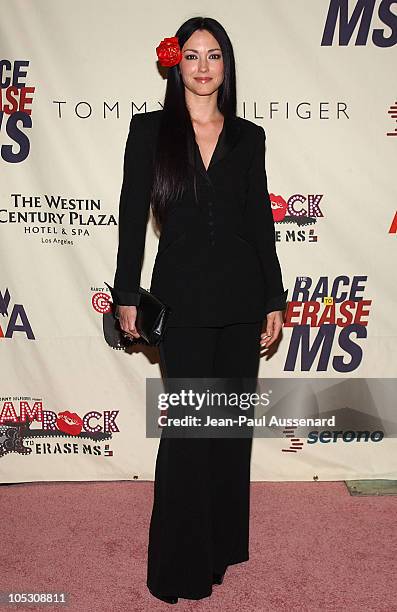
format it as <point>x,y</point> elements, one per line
<point>274,324</point>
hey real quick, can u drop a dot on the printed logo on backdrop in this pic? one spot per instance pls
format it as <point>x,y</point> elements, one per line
<point>300,210</point>
<point>28,428</point>
<point>54,218</point>
<point>392,112</point>
<point>332,436</point>
<point>340,411</point>
<point>14,318</point>
<point>16,99</point>
<point>328,318</point>
<point>100,300</point>
<point>354,19</point>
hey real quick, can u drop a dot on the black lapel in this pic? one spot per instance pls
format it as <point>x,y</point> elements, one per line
<point>228,139</point>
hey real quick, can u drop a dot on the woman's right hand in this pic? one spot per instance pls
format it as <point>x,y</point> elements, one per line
<point>127,318</point>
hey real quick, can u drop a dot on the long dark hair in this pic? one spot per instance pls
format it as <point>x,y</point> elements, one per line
<point>176,131</point>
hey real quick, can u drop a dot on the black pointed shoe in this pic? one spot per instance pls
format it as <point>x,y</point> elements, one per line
<point>171,599</point>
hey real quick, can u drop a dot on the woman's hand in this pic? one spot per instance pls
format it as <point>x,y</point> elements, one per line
<point>274,324</point>
<point>127,318</point>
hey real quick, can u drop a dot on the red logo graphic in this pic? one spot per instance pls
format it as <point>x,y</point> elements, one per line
<point>393,226</point>
<point>279,207</point>
<point>69,422</point>
<point>100,302</point>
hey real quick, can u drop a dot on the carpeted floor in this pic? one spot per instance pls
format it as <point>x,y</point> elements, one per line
<point>312,547</point>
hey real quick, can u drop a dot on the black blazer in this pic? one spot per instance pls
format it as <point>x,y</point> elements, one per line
<point>216,261</point>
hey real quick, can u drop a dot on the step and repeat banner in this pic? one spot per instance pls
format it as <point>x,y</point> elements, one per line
<point>320,78</point>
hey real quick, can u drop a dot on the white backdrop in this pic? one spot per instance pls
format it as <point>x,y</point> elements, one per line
<point>77,71</point>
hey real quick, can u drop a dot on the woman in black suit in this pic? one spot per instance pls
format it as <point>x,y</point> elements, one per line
<point>201,169</point>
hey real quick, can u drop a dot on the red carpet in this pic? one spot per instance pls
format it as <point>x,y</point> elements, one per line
<point>313,547</point>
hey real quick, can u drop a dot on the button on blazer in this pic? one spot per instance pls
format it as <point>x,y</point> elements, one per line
<point>216,261</point>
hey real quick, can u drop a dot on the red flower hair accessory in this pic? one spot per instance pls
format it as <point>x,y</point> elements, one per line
<point>169,51</point>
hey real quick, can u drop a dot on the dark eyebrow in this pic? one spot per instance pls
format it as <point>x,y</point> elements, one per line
<point>209,50</point>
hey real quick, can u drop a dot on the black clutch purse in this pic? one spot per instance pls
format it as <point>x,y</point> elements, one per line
<point>150,322</point>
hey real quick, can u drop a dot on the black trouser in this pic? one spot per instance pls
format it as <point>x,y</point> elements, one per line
<point>200,517</point>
